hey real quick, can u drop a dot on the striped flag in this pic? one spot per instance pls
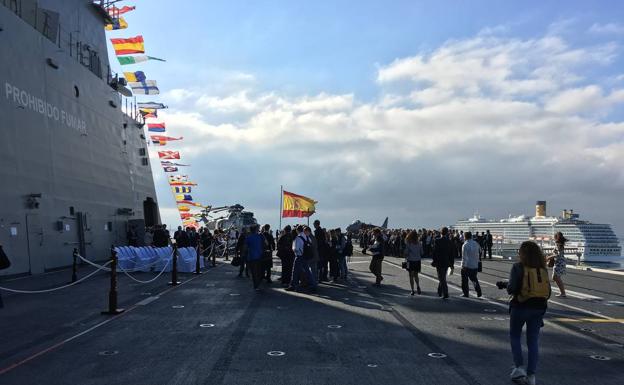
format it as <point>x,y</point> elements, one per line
<point>156,127</point>
<point>169,154</point>
<point>125,60</point>
<point>129,45</point>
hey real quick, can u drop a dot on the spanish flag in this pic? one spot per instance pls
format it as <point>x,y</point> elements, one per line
<point>129,45</point>
<point>297,205</point>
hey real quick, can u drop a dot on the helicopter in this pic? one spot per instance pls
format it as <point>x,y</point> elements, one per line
<point>232,218</point>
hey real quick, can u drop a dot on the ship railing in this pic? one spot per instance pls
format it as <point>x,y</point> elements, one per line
<point>48,23</point>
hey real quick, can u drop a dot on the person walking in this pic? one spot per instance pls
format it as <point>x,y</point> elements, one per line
<point>268,253</point>
<point>559,268</point>
<point>302,247</point>
<point>377,250</point>
<point>321,241</point>
<point>241,252</point>
<point>255,246</point>
<point>443,259</point>
<point>341,243</point>
<point>528,284</point>
<point>314,262</point>
<point>488,242</point>
<point>470,264</point>
<point>285,254</point>
<point>413,255</point>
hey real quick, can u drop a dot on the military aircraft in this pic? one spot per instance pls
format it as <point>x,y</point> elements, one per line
<point>233,218</point>
<point>358,226</point>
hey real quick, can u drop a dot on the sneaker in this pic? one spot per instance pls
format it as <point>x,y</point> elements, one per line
<point>465,295</point>
<point>561,295</point>
<point>530,380</point>
<point>518,375</point>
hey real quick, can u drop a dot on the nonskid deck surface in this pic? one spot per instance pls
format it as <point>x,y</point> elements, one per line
<point>213,329</point>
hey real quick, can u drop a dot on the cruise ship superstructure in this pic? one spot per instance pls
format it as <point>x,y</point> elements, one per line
<point>592,242</point>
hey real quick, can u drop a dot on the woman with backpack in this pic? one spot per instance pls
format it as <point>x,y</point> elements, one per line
<point>558,262</point>
<point>530,289</point>
<point>413,254</point>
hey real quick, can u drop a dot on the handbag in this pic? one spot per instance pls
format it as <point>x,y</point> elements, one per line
<point>236,261</point>
<point>551,261</point>
<point>5,263</point>
<point>480,267</point>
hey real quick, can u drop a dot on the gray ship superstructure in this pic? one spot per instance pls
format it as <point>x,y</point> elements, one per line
<point>592,241</point>
<point>74,166</point>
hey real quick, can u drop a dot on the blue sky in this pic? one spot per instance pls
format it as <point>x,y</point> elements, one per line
<point>401,108</point>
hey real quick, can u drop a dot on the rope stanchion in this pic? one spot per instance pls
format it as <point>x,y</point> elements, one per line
<point>174,267</point>
<point>197,264</point>
<point>75,266</point>
<point>112,294</point>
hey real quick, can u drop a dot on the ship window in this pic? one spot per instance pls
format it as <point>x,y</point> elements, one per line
<point>76,91</point>
<point>71,210</point>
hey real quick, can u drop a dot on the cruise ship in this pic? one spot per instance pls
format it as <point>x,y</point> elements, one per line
<point>587,242</point>
<point>73,161</point>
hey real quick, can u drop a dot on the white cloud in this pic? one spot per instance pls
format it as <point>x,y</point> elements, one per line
<point>609,29</point>
<point>478,122</point>
<point>586,99</point>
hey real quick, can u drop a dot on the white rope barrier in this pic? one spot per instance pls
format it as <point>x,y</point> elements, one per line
<point>94,264</point>
<point>151,280</point>
<point>54,289</point>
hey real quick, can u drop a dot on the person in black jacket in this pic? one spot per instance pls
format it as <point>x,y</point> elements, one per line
<point>322,246</point>
<point>443,258</point>
<point>267,261</point>
<point>488,242</point>
<point>285,254</point>
<point>160,239</point>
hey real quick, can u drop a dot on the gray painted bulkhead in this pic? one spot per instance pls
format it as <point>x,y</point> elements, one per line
<point>84,153</point>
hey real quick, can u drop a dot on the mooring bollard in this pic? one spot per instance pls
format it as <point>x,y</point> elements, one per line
<point>75,266</point>
<point>174,266</point>
<point>112,294</point>
<point>197,264</point>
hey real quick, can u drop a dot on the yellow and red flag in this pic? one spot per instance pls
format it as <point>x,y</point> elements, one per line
<point>297,206</point>
<point>128,46</point>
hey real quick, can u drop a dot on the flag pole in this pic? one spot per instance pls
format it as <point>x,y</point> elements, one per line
<point>281,206</point>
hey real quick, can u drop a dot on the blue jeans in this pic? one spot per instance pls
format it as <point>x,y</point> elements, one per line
<point>302,266</point>
<point>533,318</point>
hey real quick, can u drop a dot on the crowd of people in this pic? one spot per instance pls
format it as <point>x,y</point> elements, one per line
<point>309,256</point>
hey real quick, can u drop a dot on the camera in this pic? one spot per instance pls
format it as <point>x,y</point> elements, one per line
<point>502,285</point>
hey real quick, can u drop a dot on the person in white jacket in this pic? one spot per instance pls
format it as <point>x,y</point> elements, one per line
<point>470,264</point>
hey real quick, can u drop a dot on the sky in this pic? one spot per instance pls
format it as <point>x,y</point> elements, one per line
<point>422,111</point>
